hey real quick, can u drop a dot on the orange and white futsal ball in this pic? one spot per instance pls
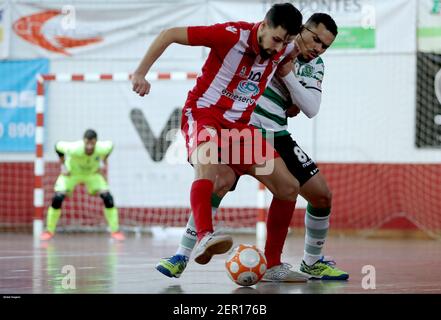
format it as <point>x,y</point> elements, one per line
<point>246,265</point>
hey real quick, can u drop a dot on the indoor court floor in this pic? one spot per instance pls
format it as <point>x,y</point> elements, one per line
<point>101,265</point>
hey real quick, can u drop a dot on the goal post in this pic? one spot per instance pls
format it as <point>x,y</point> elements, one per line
<point>132,214</point>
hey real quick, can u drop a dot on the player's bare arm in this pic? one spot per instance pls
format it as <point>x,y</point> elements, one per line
<point>174,35</point>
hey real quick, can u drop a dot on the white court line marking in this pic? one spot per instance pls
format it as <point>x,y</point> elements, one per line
<point>57,255</point>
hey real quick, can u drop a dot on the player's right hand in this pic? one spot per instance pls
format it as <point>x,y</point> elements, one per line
<point>140,85</point>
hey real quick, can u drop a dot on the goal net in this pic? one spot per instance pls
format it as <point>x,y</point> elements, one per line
<point>147,173</point>
<point>394,183</point>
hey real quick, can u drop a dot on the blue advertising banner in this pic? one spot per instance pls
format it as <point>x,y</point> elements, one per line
<point>17,103</point>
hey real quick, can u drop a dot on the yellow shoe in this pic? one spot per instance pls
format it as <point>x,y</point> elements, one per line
<point>324,270</point>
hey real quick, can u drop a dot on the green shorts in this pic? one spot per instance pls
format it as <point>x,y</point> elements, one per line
<point>94,183</point>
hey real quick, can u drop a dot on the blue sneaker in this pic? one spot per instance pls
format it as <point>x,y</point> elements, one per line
<point>172,267</point>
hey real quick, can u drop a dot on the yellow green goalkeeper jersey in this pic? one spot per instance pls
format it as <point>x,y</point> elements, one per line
<point>77,161</point>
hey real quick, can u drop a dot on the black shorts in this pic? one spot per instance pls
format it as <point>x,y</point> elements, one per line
<point>301,166</point>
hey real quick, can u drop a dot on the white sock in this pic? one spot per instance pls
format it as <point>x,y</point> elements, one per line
<point>189,238</point>
<point>315,236</point>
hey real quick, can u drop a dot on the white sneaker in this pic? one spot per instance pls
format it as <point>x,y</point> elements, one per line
<point>210,245</point>
<point>282,273</point>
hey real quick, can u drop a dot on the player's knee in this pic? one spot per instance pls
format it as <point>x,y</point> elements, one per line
<point>57,200</point>
<point>327,199</point>
<point>288,191</point>
<point>224,183</point>
<point>222,186</point>
<point>107,199</point>
<point>323,200</point>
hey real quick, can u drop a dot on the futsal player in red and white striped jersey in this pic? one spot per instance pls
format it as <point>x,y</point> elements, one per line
<point>242,60</point>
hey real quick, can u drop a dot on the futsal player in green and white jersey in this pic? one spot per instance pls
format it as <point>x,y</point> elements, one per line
<point>296,87</point>
<point>81,163</point>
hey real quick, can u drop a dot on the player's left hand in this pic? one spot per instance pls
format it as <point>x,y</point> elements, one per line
<point>292,111</point>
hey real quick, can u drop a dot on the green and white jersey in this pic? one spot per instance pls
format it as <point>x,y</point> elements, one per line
<point>77,161</point>
<point>269,114</point>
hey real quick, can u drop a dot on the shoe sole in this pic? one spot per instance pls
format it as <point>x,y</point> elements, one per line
<point>166,272</point>
<point>339,278</point>
<point>219,247</point>
<point>300,279</point>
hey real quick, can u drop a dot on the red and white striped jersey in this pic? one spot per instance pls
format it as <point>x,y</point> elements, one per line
<point>234,75</point>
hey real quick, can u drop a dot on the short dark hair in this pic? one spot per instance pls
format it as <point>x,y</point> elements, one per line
<point>326,20</point>
<point>90,134</point>
<point>286,16</point>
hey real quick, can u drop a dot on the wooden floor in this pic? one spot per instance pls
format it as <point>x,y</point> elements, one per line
<point>104,266</point>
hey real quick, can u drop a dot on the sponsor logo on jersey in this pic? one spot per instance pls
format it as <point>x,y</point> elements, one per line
<point>307,70</point>
<point>237,97</point>
<point>248,88</point>
<point>243,93</point>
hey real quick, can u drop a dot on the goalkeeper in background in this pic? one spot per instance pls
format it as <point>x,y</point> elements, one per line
<point>81,163</point>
